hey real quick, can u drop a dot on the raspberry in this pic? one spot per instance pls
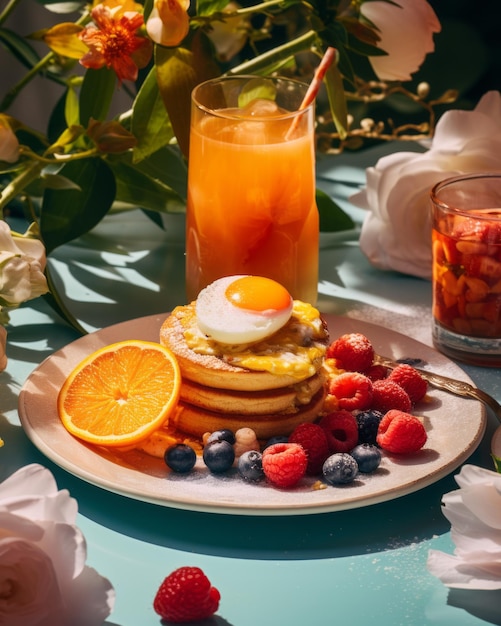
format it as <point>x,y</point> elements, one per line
<point>411,380</point>
<point>341,430</point>
<point>353,352</point>
<point>401,433</point>
<point>387,394</point>
<point>352,389</point>
<point>376,372</point>
<point>284,464</point>
<point>314,441</point>
<point>186,595</point>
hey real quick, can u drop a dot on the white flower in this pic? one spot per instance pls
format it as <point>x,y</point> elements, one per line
<point>406,29</point>
<point>9,145</point>
<point>43,577</point>
<point>474,512</point>
<point>22,262</point>
<point>229,35</point>
<point>396,233</point>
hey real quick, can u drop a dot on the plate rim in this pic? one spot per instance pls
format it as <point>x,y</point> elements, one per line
<point>292,507</point>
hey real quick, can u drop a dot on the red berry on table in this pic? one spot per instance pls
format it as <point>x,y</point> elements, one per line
<point>352,352</point>
<point>353,391</point>
<point>314,441</point>
<point>186,595</point>
<point>284,464</point>
<point>411,380</point>
<point>341,429</point>
<point>387,395</point>
<point>401,433</point>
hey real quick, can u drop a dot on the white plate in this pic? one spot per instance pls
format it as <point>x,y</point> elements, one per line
<point>455,427</point>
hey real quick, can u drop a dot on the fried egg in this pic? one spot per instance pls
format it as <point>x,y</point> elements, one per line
<point>242,309</point>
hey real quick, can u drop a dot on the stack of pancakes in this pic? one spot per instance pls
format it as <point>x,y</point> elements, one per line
<point>216,393</point>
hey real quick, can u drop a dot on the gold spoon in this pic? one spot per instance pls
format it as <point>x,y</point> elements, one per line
<point>457,387</point>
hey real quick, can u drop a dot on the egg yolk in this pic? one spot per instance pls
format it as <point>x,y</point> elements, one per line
<point>256,293</point>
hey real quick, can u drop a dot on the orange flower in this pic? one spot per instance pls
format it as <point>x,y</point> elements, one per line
<point>112,42</point>
<point>169,23</point>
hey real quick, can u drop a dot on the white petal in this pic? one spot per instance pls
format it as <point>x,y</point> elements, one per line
<point>406,29</point>
<point>454,572</point>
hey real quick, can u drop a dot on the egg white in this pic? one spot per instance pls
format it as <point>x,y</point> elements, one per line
<point>226,323</point>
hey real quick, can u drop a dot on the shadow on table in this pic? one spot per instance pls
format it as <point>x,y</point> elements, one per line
<point>486,605</point>
<point>214,620</point>
<point>391,525</point>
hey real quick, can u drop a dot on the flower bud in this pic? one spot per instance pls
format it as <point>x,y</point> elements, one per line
<point>9,145</point>
<point>110,136</point>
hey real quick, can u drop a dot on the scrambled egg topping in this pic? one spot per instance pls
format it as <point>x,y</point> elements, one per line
<point>297,349</point>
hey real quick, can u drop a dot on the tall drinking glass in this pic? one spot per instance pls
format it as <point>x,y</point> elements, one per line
<point>467,268</point>
<point>251,185</point>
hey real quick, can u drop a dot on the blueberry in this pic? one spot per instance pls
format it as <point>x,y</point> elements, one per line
<point>250,466</point>
<point>340,468</point>
<point>219,456</point>
<point>224,434</point>
<point>367,456</point>
<point>180,458</point>
<point>368,424</point>
<point>276,439</point>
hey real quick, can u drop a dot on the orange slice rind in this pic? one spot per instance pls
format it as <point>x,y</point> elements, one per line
<point>120,394</point>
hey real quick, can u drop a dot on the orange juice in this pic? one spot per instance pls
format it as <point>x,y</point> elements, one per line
<point>251,200</point>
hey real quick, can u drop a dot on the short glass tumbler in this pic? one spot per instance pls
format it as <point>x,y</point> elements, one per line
<point>466,240</point>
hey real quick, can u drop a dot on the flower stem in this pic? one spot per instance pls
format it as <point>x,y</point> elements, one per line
<point>58,305</point>
<point>12,94</point>
<point>277,54</point>
<point>12,189</point>
<point>259,8</point>
<point>8,10</point>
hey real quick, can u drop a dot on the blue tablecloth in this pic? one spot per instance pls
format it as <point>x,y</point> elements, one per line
<point>356,567</point>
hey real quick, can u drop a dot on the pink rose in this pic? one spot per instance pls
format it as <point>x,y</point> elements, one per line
<point>43,577</point>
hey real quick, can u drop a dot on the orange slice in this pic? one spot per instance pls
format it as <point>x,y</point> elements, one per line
<point>120,394</point>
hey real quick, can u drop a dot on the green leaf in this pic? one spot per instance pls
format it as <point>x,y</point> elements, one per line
<point>337,100</point>
<point>168,166</point>
<point>208,7</point>
<point>96,94</point>
<point>176,78</point>
<point>140,190</point>
<point>257,88</point>
<point>19,47</point>
<point>70,213</point>
<point>54,181</point>
<point>178,71</point>
<point>332,216</point>
<point>150,123</point>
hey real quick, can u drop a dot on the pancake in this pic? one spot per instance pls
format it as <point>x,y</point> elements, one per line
<point>270,386</point>
<point>196,421</point>
<point>251,402</point>
<point>293,354</point>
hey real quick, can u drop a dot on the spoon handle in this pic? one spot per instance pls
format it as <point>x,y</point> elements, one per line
<point>457,387</point>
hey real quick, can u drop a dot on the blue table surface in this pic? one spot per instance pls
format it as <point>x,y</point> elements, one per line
<point>360,566</point>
